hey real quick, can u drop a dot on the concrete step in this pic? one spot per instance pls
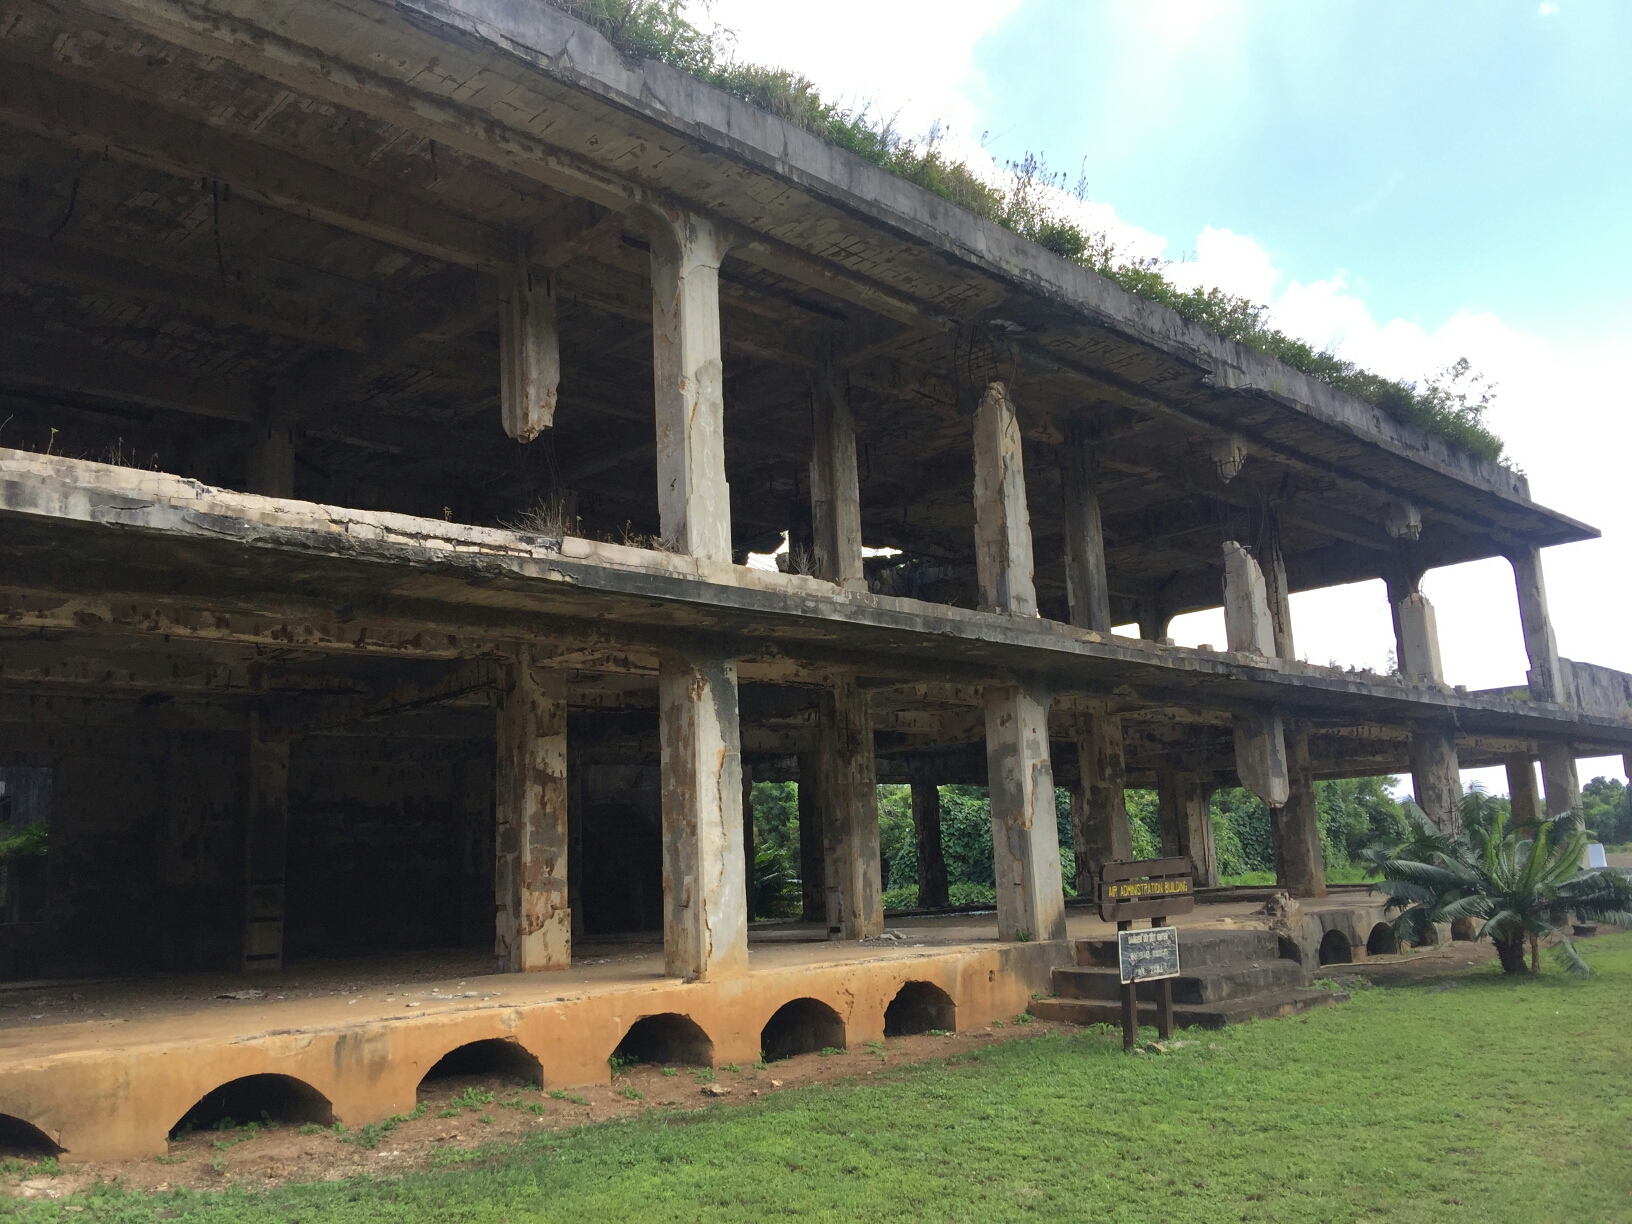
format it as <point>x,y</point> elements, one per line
<point>1198,950</point>
<point>1233,982</point>
<point>1265,1006</point>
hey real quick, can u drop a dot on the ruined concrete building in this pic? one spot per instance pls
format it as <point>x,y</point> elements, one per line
<point>393,393</point>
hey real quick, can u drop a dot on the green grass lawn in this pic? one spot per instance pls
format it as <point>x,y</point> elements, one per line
<point>1493,1100</point>
<point>1334,875</point>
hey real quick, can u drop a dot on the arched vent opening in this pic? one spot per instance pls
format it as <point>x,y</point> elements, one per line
<point>496,1056</point>
<point>256,1098</point>
<point>20,1140</point>
<point>1382,941</point>
<point>803,1026</point>
<point>1335,949</point>
<point>668,1039</point>
<point>919,1007</point>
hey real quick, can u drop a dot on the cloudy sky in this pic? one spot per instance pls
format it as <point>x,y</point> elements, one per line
<point>1406,183</point>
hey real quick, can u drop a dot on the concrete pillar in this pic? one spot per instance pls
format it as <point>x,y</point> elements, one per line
<point>1276,594</point>
<point>1436,778</point>
<point>926,826</point>
<point>835,489</point>
<point>1248,626</point>
<point>270,466</point>
<point>748,851</point>
<point>705,911</point>
<point>1417,639</point>
<point>1523,796</point>
<point>533,928</point>
<point>575,849</point>
<point>1545,679</point>
<point>1025,839</point>
<point>1300,863</point>
<point>529,352</point>
<point>1086,586</point>
<point>1186,824</point>
<point>849,797</point>
<point>266,839</point>
<point>693,499</point>
<point>1003,556</point>
<point>1100,832</point>
<point>812,843</point>
<point>1260,754</point>
<point>1559,780</point>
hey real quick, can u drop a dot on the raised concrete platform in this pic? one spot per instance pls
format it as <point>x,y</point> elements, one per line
<point>105,1068</point>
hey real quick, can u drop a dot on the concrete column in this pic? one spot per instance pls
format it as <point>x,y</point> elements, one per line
<point>529,352</point>
<point>575,849</point>
<point>693,499</point>
<point>748,851</point>
<point>812,844</point>
<point>1248,625</point>
<point>266,839</point>
<point>1086,586</point>
<point>1276,594</point>
<point>1436,779</point>
<point>1100,832</point>
<point>1417,639</point>
<point>533,913</point>
<point>1003,556</point>
<point>1186,824</point>
<point>849,797</point>
<point>1025,839</point>
<point>835,489</point>
<point>1545,679</point>
<point>1523,795</point>
<point>1559,780</point>
<point>1260,755</point>
<point>270,466</point>
<point>705,911</point>
<point>1300,864</point>
<point>926,825</point>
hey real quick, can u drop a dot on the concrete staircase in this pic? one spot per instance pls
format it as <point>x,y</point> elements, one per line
<point>1229,976</point>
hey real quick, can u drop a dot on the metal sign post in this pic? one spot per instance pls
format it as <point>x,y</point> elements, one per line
<point>1152,888</point>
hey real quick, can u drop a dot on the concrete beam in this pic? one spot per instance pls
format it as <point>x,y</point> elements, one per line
<point>1087,589</point>
<point>694,501</point>
<point>1541,647</point>
<point>848,797</point>
<point>835,489</point>
<point>1025,838</point>
<point>705,898</point>
<point>1100,832</point>
<point>1300,863</point>
<point>531,835</point>
<point>1003,555</point>
<point>266,839</point>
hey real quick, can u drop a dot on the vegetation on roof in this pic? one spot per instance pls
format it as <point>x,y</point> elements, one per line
<point>1451,405</point>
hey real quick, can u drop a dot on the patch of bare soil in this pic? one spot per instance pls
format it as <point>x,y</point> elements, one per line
<point>457,1114</point>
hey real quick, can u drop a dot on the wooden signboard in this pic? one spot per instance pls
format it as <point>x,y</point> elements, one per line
<point>1146,888</point>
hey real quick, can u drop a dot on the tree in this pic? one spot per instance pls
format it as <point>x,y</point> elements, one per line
<point>1519,884</point>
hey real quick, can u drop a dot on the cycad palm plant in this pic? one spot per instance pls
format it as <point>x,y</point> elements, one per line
<point>1518,881</point>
